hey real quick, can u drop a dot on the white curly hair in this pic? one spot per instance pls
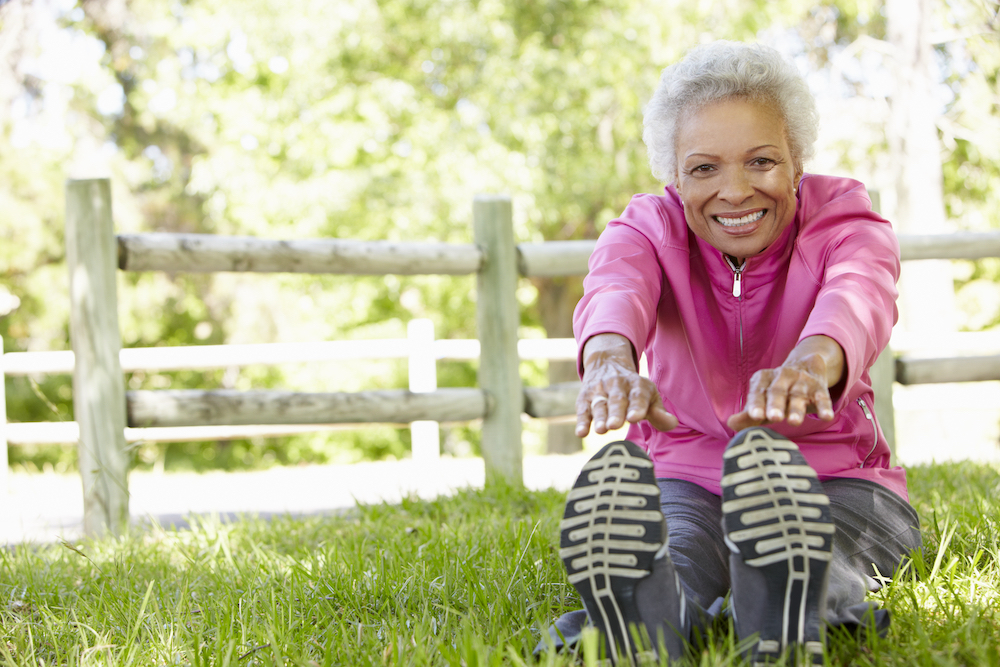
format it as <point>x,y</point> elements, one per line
<point>720,71</point>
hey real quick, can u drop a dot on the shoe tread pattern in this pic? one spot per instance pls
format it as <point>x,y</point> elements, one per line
<point>611,532</point>
<point>778,518</point>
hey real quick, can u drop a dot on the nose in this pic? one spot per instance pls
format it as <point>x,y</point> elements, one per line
<point>736,187</point>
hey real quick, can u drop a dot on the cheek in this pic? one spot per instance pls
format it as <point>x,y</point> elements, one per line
<point>784,190</point>
<point>793,195</point>
<point>691,197</point>
<point>691,214</point>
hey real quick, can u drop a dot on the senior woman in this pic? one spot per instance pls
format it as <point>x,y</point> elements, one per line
<point>759,295</point>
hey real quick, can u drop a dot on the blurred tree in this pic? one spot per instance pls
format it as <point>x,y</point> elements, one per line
<point>967,47</point>
<point>927,295</point>
<point>35,142</point>
<point>381,120</point>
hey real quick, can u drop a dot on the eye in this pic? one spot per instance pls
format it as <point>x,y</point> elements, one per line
<point>701,169</point>
<point>762,162</point>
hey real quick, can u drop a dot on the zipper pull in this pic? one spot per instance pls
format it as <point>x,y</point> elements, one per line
<point>864,407</point>
<point>737,276</point>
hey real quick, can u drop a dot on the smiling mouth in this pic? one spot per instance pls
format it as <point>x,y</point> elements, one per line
<point>739,222</point>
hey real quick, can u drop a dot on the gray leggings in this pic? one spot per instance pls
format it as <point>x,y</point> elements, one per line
<point>875,527</point>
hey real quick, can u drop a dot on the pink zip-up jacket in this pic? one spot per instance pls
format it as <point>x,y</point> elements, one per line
<point>833,271</point>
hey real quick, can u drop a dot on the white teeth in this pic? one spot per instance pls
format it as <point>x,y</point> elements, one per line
<point>736,222</point>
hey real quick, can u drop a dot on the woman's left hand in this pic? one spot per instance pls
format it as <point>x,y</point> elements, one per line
<point>799,386</point>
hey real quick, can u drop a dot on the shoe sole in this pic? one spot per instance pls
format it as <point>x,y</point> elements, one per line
<point>611,532</point>
<point>777,517</point>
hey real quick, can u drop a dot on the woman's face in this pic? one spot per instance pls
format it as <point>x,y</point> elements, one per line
<point>736,176</point>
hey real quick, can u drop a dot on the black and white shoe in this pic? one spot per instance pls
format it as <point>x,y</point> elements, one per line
<point>614,545</point>
<point>777,519</point>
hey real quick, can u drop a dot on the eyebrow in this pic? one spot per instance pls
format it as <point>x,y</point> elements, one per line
<point>749,151</point>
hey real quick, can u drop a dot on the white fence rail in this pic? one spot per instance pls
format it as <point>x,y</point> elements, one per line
<point>422,354</point>
<point>207,357</point>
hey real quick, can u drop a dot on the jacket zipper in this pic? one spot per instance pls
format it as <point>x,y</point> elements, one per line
<point>738,293</point>
<point>737,277</point>
<point>870,418</point>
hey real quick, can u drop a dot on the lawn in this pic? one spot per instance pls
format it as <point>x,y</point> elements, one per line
<point>468,580</point>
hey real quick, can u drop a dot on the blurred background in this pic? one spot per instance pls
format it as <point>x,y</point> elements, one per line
<point>364,119</point>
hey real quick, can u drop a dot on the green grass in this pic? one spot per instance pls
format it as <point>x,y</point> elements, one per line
<point>470,580</point>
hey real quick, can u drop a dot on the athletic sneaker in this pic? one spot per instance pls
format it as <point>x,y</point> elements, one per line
<point>614,545</point>
<point>777,522</point>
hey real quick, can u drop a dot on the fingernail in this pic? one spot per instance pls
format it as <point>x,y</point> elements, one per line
<point>774,414</point>
<point>757,413</point>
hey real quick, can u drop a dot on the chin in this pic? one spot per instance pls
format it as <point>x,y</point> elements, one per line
<point>742,250</point>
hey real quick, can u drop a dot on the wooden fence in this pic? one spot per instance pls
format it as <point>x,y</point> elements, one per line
<point>419,348</point>
<point>104,410</point>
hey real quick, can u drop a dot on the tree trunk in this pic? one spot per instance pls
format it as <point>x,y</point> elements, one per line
<point>927,293</point>
<point>557,297</point>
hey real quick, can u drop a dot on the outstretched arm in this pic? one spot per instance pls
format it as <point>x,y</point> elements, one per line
<point>614,392</point>
<point>800,385</point>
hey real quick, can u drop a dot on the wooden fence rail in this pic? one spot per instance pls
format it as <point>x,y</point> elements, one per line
<point>206,357</point>
<point>93,253</point>
<point>205,253</point>
<point>422,355</point>
<point>953,369</point>
<point>188,407</point>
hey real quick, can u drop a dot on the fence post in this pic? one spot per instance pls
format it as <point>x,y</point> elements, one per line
<point>883,373</point>
<point>4,460</point>
<point>425,436</point>
<point>98,384</point>
<point>497,317</point>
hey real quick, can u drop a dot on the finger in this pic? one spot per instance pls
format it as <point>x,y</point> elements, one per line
<point>778,393</point>
<point>617,407</point>
<point>742,420</point>
<point>757,394</point>
<point>777,404</point>
<point>583,416</point>
<point>599,413</point>
<point>638,404</point>
<point>800,397</point>
<point>823,403</point>
<point>798,405</point>
<point>649,406</point>
<point>660,419</point>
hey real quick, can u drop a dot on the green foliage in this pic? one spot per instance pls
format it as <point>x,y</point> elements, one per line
<point>364,120</point>
<point>470,580</point>
<point>970,132</point>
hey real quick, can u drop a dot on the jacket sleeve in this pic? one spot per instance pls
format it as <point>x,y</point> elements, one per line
<point>622,288</point>
<point>859,266</point>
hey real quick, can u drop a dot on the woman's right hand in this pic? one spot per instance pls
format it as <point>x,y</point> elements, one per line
<point>614,392</point>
